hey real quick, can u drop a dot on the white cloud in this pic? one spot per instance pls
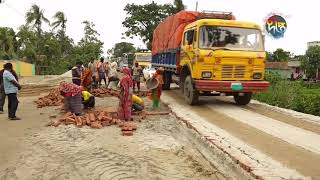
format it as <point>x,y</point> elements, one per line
<point>108,15</point>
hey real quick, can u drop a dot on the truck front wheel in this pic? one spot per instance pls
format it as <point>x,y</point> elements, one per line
<point>242,100</point>
<point>190,93</point>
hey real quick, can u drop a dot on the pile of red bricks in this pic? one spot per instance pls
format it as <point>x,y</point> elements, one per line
<point>52,99</point>
<point>96,119</point>
<point>106,92</point>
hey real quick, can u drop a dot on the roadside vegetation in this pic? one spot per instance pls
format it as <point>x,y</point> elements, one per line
<point>296,95</point>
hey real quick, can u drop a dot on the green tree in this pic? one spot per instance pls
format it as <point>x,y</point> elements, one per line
<point>7,43</point>
<point>311,61</point>
<point>27,40</point>
<point>60,20</point>
<point>141,20</point>
<point>36,16</point>
<point>281,55</point>
<point>178,6</point>
<point>90,46</point>
<point>120,48</point>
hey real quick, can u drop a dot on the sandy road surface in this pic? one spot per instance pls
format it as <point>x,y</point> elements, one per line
<point>28,150</point>
<point>292,142</point>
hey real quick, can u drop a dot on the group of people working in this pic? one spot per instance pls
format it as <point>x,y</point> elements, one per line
<point>85,79</point>
<point>9,87</point>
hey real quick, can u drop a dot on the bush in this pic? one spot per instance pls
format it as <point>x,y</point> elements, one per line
<point>293,95</point>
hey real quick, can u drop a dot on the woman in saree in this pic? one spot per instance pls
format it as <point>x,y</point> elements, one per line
<point>126,91</point>
<point>72,97</point>
<point>156,93</point>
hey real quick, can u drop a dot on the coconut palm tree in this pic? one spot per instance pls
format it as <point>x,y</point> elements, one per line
<point>60,20</point>
<point>36,16</point>
<point>7,42</point>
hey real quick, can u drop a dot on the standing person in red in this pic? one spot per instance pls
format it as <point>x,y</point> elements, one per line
<point>125,103</point>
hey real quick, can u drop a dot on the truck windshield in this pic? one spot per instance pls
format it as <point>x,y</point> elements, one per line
<point>231,38</point>
<point>143,57</point>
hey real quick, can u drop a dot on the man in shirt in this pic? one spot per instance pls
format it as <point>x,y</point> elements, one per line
<point>101,68</point>
<point>2,93</point>
<point>136,73</point>
<point>76,73</point>
<point>11,87</point>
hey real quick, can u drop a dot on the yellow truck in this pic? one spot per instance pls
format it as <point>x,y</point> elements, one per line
<point>143,58</point>
<point>211,54</point>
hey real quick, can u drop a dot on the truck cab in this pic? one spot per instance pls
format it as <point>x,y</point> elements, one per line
<point>143,58</point>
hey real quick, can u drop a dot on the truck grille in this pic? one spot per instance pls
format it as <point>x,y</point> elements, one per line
<point>230,71</point>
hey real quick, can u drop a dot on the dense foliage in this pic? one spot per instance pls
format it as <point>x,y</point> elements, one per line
<point>296,95</point>
<point>52,52</point>
<point>141,20</point>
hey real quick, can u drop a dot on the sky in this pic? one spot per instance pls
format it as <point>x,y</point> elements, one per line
<point>108,16</point>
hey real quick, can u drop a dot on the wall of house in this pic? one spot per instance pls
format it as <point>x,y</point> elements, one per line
<point>22,68</point>
<point>283,73</point>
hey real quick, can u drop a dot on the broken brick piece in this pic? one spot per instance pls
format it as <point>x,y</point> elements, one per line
<point>127,133</point>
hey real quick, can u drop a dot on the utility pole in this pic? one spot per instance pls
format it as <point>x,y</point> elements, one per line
<point>196,5</point>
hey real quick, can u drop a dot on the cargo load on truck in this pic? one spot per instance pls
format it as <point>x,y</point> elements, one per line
<point>168,34</point>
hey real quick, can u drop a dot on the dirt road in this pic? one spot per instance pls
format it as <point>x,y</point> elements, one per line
<point>294,142</point>
<point>29,150</point>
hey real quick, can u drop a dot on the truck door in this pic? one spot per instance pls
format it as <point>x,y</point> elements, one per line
<point>188,49</point>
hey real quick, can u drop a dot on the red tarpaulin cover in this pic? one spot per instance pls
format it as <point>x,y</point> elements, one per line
<point>168,33</point>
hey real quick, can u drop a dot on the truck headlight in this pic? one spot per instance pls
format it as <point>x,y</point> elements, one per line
<point>206,74</point>
<point>257,76</point>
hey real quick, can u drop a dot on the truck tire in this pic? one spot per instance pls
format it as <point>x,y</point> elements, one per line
<point>167,80</point>
<point>191,95</point>
<point>242,100</point>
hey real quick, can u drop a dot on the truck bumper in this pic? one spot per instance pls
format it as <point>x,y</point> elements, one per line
<point>226,86</point>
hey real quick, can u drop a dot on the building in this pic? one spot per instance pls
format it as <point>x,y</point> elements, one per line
<point>280,68</point>
<point>23,69</point>
<point>313,43</point>
<point>286,70</point>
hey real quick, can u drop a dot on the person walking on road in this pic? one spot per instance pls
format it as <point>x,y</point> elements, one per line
<point>125,103</point>
<point>11,88</point>
<point>77,73</point>
<point>136,72</point>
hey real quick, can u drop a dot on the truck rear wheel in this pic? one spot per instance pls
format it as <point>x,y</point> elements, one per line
<point>190,93</point>
<point>167,80</point>
<point>242,100</point>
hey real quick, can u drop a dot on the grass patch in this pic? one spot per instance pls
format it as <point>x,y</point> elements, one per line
<point>294,95</point>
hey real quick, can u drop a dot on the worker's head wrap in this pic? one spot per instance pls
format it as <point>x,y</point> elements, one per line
<point>70,88</point>
<point>160,70</point>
